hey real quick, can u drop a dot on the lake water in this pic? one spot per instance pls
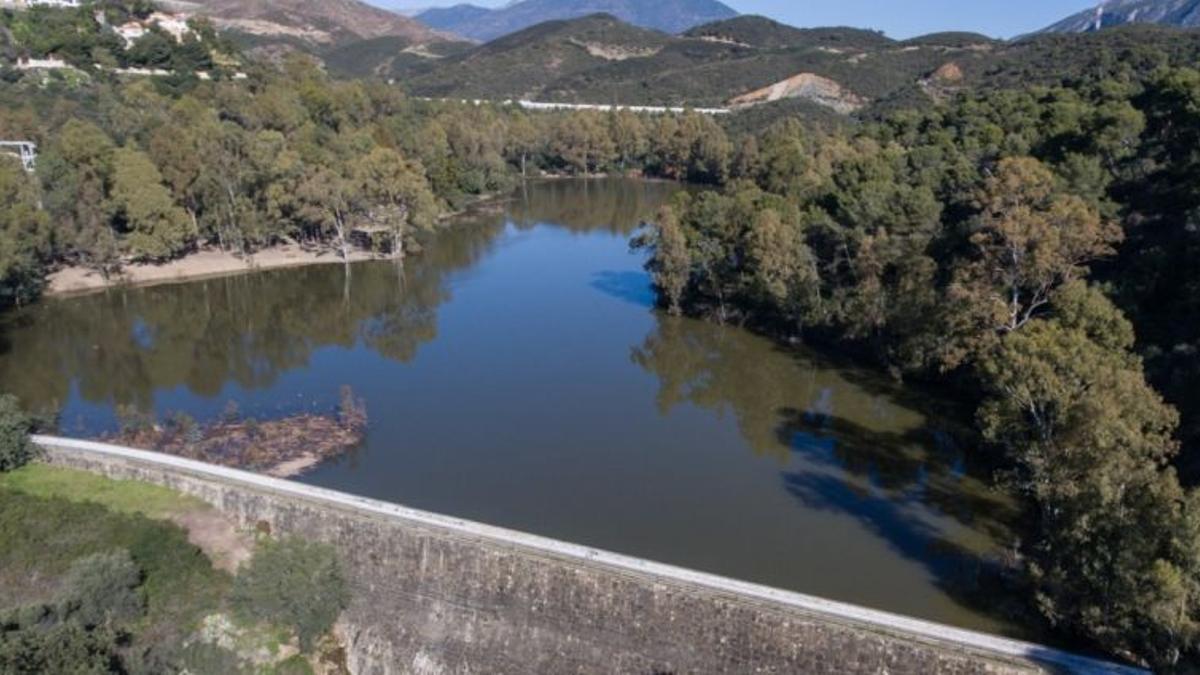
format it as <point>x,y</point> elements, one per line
<point>517,374</point>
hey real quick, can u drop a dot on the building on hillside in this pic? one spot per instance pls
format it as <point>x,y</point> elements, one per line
<point>25,4</point>
<point>131,32</point>
<point>175,25</point>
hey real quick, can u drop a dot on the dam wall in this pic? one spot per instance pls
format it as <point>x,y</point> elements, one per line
<point>434,594</point>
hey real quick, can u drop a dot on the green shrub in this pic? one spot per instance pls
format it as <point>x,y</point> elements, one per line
<point>296,665</point>
<point>16,450</point>
<point>203,658</point>
<point>102,589</point>
<point>62,648</point>
<point>292,584</point>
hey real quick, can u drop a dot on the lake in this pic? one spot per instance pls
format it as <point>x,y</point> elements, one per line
<point>516,373</point>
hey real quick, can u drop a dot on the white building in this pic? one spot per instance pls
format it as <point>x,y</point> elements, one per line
<point>175,25</point>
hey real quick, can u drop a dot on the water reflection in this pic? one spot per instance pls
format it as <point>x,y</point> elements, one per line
<point>845,448</point>
<point>516,374</point>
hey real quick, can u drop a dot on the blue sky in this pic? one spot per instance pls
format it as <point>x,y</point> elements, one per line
<point>898,18</point>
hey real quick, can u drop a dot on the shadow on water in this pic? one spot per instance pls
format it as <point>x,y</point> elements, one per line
<point>925,506</point>
<point>868,452</point>
<point>632,287</point>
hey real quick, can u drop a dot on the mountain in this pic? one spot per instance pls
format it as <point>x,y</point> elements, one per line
<point>1181,13</point>
<point>315,22</point>
<point>761,32</point>
<point>525,63</point>
<point>452,19</point>
<point>741,62</point>
<point>668,16</point>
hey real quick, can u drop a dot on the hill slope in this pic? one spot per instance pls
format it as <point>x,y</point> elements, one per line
<point>599,59</point>
<point>314,21</point>
<point>527,62</point>
<point>668,16</point>
<point>1181,13</point>
<point>750,61</point>
<point>759,31</point>
<point>455,19</point>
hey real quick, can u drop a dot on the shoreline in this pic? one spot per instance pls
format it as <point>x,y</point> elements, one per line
<point>203,264</point>
<point>210,263</point>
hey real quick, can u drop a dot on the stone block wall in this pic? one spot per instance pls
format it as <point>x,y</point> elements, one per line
<point>434,595</point>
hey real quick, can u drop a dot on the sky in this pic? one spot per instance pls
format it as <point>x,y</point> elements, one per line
<point>898,18</point>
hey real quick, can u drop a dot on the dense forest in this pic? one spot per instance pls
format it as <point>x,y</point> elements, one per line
<point>1031,247</point>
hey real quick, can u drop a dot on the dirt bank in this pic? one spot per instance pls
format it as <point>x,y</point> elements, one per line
<point>199,265</point>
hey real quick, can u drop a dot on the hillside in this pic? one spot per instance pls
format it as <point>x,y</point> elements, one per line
<point>764,33</point>
<point>527,63</point>
<point>668,16</point>
<point>751,61</point>
<point>318,22</point>
<point>1180,13</point>
<point>455,19</point>
<point>600,59</point>
<point>385,56</point>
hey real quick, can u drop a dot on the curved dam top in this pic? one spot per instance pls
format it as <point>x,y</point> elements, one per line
<point>435,594</point>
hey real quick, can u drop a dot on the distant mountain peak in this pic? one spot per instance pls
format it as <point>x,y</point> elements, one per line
<point>668,16</point>
<point>1181,13</point>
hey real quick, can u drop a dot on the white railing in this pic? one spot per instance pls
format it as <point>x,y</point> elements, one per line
<point>600,107</point>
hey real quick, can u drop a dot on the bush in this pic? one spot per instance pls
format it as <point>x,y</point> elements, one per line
<point>64,648</point>
<point>292,584</point>
<point>202,657</point>
<point>16,450</point>
<point>102,589</point>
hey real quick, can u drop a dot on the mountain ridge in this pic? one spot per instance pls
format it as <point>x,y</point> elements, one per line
<point>482,24</point>
<point>1179,13</point>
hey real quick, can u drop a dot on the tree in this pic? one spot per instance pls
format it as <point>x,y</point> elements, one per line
<point>157,228</point>
<point>293,584</point>
<point>24,237</point>
<point>1115,551</point>
<point>102,589</point>
<point>155,49</point>
<point>785,268</point>
<point>670,260</point>
<point>582,140</point>
<point>63,648</point>
<point>524,139</point>
<point>1030,240</point>
<point>180,149</point>
<point>331,201</point>
<point>16,450</point>
<point>628,133</point>
<point>398,195</point>
<point>76,173</point>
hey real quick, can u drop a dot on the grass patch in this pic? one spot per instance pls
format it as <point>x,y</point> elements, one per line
<point>122,496</point>
<point>56,522</point>
<point>43,535</point>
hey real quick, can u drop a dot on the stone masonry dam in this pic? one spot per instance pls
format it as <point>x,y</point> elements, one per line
<point>434,594</point>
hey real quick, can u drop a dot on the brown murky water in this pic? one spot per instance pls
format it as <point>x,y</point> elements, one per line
<point>516,374</point>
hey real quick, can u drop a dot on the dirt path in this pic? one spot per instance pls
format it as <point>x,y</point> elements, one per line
<point>215,534</point>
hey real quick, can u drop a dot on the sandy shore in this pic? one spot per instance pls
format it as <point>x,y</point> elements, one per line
<point>206,263</point>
